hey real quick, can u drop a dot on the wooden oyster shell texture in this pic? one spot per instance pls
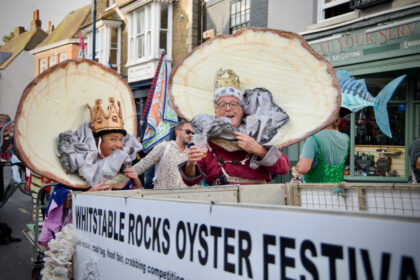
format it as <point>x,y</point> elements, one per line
<point>54,102</point>
<point>301,81</point>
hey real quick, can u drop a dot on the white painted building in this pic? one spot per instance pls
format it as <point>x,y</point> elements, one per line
<point>13,80</point>
<point>17,65</point>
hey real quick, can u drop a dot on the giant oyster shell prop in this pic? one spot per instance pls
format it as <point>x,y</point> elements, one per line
<point>301,81</point>
<point>54,102</point>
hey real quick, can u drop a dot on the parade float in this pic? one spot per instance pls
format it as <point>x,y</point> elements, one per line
<point>268,231</point>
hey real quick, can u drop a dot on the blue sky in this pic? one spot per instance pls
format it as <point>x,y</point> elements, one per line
<point>19,12</point>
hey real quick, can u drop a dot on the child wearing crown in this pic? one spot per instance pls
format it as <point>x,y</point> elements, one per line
<point>99,151</point>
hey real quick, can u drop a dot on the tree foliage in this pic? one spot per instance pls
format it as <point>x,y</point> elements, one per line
<point>7,38</point>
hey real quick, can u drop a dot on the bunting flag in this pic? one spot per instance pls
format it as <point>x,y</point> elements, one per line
<point>159,116</point>
<point>109,63</point>
<point>82,47</point>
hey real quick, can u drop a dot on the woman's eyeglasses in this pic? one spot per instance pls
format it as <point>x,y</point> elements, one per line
<point>232,105</point>
<point>188,131</point>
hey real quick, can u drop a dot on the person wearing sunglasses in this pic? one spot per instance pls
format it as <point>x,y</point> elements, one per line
<point>166,156</point>
<point>251,164</point>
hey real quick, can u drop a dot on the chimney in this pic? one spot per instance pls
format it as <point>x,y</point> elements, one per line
<point>35,23</point>
<point>50,27</point>
<point>19,30</point>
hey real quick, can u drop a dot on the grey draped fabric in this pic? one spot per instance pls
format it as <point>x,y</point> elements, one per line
<point>263,117</point>
<point>261,120</point>
<point>78,152</point>
<point>209,125</point>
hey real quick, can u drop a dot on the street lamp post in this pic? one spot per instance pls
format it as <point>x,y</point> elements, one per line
<point>93,29</point>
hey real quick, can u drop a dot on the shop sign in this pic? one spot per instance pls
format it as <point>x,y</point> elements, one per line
<point>366,45</point>
<point>132,238</point>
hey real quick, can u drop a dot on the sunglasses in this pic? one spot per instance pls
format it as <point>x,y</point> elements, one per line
<point>188,131</point>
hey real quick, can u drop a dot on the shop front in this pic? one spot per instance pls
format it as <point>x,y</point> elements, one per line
<point>378,53</point>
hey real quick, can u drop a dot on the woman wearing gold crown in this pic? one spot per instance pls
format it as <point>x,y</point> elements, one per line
<point>97,151</point>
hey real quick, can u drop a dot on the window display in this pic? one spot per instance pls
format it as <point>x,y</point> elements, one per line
<point>375,153</point>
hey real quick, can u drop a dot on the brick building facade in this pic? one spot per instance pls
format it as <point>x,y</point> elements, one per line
<point>61,43</point>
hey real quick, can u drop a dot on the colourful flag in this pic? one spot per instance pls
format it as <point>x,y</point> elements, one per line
<point>82,47</point>
<point>109,63</point>
<point>160,118</point>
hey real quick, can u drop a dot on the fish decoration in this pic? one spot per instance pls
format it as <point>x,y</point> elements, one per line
<point>355,96</point>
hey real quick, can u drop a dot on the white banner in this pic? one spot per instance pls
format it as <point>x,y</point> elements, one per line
<point>132,238</point>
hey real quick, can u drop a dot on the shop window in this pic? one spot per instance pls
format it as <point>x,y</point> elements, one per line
<point>99,46</point>
<point>108,44</point>
<point>163,34</point>
<point>141,46</point>
<point>375,153</point>
<point>110,3</point>
<point>332,8</point>
<point>140,34</point>
<point>42,65</point>
<point>52,60</point>
<point>376,84</point>
<point>63,56</point>
<point>368,132</point>
<point>239,14</point>
<point>113,57</point>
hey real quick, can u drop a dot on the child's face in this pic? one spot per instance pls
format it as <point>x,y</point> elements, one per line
<point>295,173</point>
<point>111,142</point>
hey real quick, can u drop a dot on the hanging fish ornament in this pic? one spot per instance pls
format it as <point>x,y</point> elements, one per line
<point>355,96</point>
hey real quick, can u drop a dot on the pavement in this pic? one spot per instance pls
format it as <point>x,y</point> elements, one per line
<point>15,258</point>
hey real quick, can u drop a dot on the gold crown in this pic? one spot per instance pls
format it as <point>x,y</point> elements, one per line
<point>99,121</point>
<point>226,78</point>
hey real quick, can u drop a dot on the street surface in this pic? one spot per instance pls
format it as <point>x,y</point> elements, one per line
<point>15,258</point>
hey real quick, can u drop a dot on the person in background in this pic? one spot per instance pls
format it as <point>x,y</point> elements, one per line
<point>7,146</point>
<point>7,153</point>
<point>296,176</point>
<point>166,156</point>
<point>324,155</point>
<point>414,153</point>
